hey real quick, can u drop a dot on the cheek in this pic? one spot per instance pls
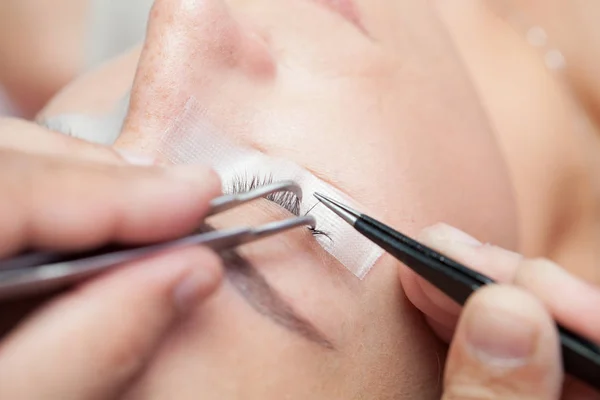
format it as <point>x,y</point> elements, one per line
<point>405,167</point>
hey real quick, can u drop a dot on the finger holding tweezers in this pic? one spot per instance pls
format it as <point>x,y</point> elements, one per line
<point>38,272</point>
<point>217,205</point>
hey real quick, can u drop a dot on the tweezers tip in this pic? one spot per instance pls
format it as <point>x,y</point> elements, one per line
<point>346,213</point>
<point>319,196</point>
<point>284,225</point>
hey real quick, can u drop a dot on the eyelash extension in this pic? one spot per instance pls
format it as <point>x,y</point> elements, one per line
<point>315,231</point>
<point>288,200</point>
<point>318,232</point>
<point>244,183</point>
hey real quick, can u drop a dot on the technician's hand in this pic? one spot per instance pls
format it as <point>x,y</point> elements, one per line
<point>91,342</point>
<point>504,344</point>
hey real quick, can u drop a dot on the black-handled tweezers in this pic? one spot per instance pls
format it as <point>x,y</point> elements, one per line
<point>581,358</point>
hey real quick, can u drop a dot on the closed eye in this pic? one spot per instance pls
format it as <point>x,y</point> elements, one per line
<point>245,183</point>
<point>287,200</point>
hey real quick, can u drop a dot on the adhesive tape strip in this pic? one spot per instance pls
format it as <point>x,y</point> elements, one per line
<point>192,139</point>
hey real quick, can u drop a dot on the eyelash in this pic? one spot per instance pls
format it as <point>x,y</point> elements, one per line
<point>288,200</point>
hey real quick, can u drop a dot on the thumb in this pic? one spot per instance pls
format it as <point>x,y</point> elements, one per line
<point>91,343</point>
<point>505,347</point>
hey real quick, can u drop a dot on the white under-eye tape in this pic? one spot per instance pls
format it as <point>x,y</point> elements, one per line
<point>193,140</point>
<point>103,129</point>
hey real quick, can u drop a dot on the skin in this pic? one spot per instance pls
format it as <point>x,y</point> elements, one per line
<point>267,81</point>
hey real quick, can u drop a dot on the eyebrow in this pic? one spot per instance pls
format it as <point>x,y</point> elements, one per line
<point>263,298</point>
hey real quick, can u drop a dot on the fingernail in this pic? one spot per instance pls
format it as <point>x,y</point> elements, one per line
<point>189,291</point>
<point>135,158</point>
<point>500,336</point>
<point>447,233</point>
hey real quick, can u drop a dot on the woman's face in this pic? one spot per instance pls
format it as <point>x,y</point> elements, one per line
<point>369,97</point>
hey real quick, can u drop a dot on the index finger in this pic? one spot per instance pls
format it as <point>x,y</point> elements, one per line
<point>68,204</point>
<point>442,312</point>
<point>577,305</point>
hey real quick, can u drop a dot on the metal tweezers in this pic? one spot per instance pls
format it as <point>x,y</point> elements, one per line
<point>35,273</point>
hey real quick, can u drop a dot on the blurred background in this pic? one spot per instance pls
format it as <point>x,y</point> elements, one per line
<point>44,45</point>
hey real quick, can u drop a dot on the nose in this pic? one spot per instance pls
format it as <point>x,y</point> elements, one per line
<point>191,48</point>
